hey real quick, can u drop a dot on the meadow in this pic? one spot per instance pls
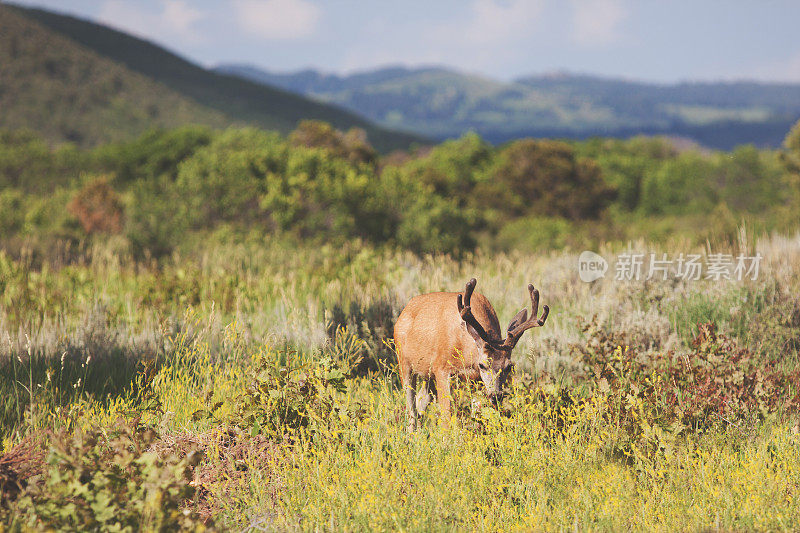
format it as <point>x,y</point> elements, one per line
<point>199,279</point>
<point>252,385</point>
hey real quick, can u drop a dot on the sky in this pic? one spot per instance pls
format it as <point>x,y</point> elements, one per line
<point>645,40</point>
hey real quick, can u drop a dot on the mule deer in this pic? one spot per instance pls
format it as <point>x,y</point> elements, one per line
<point>442,334</point>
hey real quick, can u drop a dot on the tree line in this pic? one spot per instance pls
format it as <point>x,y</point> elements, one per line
<point>154,193</point>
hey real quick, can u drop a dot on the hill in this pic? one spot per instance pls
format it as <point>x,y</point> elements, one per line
<point>63,56</point>
<point>444,103</point>
<point>69,93</point>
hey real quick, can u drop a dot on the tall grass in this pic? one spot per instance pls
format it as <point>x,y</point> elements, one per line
<point>178,346</point>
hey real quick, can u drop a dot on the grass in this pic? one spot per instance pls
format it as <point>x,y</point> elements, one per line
<point>235,350</point>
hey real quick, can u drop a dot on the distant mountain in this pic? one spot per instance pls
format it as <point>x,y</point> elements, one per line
<point>76,80</point>
<point>444,103</point>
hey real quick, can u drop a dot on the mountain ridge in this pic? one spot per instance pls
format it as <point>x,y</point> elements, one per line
<point>442,102</point>
<point>239,101</point>
<point>67,92</point>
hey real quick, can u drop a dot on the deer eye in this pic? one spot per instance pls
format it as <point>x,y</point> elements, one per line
<point>483,366</point>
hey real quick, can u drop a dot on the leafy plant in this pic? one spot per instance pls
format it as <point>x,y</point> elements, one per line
<point>290,401</point>
<point>109,480</point>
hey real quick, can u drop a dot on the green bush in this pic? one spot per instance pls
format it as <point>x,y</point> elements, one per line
<point>322,184</point>
<point>110,479</point>
<point>154,154</point>
<point>12,211</point>
<point>679,186</point>
<point>155,217</point>
<point>292,400</point>
<point>28,163</point>
<point>535,233</point>
<point>352,146</point>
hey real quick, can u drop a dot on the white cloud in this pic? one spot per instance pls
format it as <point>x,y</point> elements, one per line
<point>484,34</point>
<point>491,21</point>
<point>174,18</point>
<point>277,19</point>
<point>596,22</point>
<point>180,16</point>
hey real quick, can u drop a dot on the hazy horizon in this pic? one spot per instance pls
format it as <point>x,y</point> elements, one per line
<point>548,73</point>
<point>642,42</point>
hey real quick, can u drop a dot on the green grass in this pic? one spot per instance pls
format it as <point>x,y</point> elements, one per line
<point>550,464</point>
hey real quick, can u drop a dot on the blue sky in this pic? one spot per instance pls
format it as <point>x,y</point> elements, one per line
<point>643,40</point>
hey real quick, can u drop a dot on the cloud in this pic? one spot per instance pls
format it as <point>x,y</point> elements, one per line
<point>482,35</point>
<point>596,22</point>
<point>491,21</point>
<point>173,18</point>
<point>277,19</point>
<point>180,16</point>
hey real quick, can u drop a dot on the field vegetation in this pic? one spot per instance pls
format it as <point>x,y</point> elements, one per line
<point>195,333</point>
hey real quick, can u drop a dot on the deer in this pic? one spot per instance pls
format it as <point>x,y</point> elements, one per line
<point>444,334</point>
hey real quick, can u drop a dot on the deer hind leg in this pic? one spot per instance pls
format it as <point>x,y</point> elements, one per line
<point>425,396</point>
<point>443,394</point>
<point>409,382</point>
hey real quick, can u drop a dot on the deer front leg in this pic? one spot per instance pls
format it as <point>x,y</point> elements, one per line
<point>443,393</point>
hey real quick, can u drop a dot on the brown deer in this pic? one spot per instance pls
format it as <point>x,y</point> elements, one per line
<point>444,334</point>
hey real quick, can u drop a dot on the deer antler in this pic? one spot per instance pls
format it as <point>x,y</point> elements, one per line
<point>466,311</point>
<point>521,322</point>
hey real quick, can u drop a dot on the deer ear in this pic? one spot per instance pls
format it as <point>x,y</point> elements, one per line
<point>518,319</point>
<point>475,335</point>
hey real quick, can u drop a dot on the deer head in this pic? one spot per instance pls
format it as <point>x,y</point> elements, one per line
<point>494,355</point>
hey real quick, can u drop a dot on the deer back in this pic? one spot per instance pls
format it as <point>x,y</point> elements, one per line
<point>430,334</point>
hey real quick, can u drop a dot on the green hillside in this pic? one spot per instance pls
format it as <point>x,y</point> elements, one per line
<point>66,92</point>
<point>237,99</point>
<point>443,103</point>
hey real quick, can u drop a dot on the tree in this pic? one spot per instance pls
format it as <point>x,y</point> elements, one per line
<point>545,178</point>
<point>680,186</point>
<point>155,153</point>
<point>352,146</point>
<point>790,157</point>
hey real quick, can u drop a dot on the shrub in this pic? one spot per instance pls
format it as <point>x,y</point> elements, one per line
<point>109,479</point>
<point>17,466</point>
<point>155,154</point>
<point>679,186</point>
<point>535,233</point>
<point>12,211</point>
<point>716,383</point>
<point>156,218</point>
<point>98,207</point>
<point>291,401</point>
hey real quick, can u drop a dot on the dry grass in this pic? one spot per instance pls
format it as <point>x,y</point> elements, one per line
<point>131,349</point>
